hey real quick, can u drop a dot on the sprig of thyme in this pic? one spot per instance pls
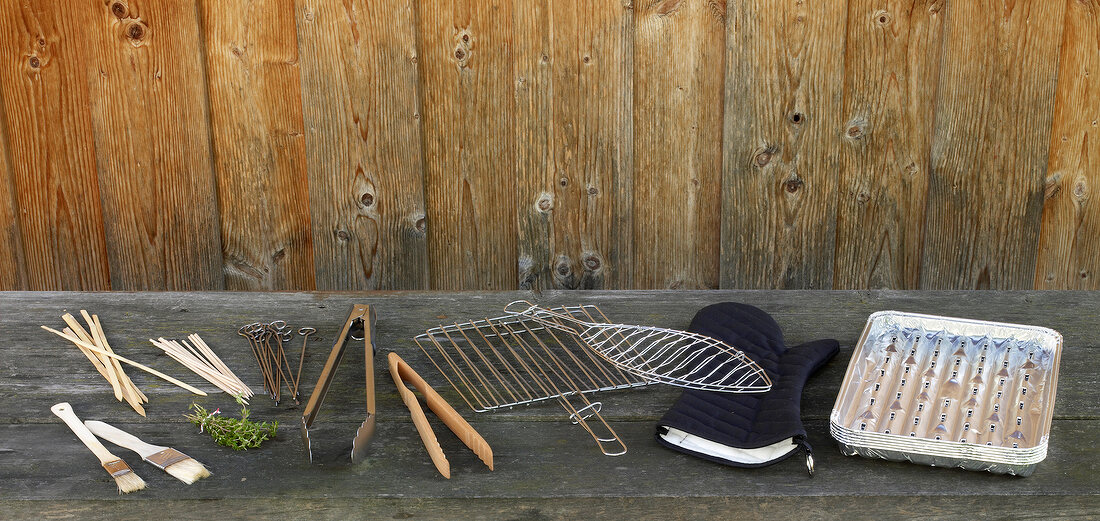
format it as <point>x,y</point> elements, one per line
<point>235,433</point>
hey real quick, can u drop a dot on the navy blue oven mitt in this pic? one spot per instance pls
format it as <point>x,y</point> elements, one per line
<point>747,429</point>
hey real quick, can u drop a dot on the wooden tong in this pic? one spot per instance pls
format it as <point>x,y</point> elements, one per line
<point>361,316</point>
<point>402,373</point>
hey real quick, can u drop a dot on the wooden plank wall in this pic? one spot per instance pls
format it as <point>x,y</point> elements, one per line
<point>467,144</point>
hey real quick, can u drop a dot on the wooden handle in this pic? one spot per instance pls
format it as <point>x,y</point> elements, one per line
<point>122,438</point>
<point>427,435</point>
<point>64,411</point>
<point>403,372</point>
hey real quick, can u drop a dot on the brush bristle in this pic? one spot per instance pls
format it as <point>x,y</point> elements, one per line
<point>129,482</point>
<point>188,471</point>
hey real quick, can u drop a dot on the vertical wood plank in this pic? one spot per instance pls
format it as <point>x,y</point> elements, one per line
<point>782,127</point>
<point>989,151</point>
<point>50,148</point>
<point>679,66</point>
<point>13,269</point>
<point>1069,242</point>
<point>151,122</point>
<point>892,62</point>
<point>569,141</point>
<point>259,144</point>
<point>362,117</point>
<point>534,106</point>
<point>468,142</point>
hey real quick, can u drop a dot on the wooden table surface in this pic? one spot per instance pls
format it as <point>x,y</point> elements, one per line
<point>545,467</point>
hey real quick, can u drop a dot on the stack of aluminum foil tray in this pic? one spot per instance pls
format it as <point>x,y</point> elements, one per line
<point>949,392</point>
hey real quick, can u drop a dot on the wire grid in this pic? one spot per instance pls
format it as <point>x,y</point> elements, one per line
<point>512,360</point>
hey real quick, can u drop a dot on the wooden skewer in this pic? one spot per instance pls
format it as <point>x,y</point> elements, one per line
<point>128,387</point>
<point>145,368</point>
<point>212,376</point>
<point>201,344</point>
<point>111,375</point>
<point>189,356</point>
<point>123,377</point>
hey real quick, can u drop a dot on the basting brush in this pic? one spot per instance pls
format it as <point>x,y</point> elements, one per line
<point>170,460</point>
<point>125,478</point>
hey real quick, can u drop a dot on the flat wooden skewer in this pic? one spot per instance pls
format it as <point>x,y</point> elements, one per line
<point>111,373</point>
<point>122,374</point>
<point>145,368</point>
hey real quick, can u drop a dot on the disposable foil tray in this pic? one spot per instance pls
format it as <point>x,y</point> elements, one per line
<point>949,392</point>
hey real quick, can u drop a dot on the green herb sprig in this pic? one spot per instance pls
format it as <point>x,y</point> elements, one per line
<point>235,433</point>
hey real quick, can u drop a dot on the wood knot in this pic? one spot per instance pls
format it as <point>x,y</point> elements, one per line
<point>855,131</point>
<point>34,62</point>
<point>1080,188</point>
<point>119,9</point>
<point>1084,274</point>
<point>564,182</point>
<point>421,225</point>
<point>545,59</point>
<point>137,32</point>
<point>462,48</point>
<point>862,197</point>
<point>762,159</point>
<point>667,7</point>
<point>587,59</point>
<point>592,262</point>
<point>882,18</point>
<point>367,199</point>
<point>563,267</point>
<point>934,8</point>
<point>592,190</point>
<point>545,203</point>
<point>279,255</point>
<point>342,235</point>
<point>793,184</point>
<point>797,118</point>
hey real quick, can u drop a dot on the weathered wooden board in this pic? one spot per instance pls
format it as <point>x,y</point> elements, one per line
<point>532,460</point>
<point>1070,237</point>
<point>50,151</point>
<point>569,142</point>
<point>362,113</point>
<point>993,122</point>
<point>544,465</point>
<point>151,122</point>
<point>804,316</point>
<point>896,507</point>
<point>259,144</point>
<point>679,66</point>
<point>468,131</point>
<point>783,125</point>
<point>892,62</point>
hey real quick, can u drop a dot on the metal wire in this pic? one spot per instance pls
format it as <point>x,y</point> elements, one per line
<point>506,361</point>
<point>670,356</point>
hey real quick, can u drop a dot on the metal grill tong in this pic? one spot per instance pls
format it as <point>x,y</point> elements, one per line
<point>361,317</point>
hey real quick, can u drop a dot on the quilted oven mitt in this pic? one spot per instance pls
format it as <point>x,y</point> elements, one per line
<point>747,429</point>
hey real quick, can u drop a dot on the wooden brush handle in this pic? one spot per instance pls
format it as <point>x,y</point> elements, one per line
<point>122,438</point>
<point>65,411</point>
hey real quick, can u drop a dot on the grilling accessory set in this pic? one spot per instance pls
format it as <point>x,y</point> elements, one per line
<point>930,390</point>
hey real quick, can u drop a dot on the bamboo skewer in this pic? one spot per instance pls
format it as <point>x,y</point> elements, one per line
<point>202,361</point>
<point>145,368</point>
